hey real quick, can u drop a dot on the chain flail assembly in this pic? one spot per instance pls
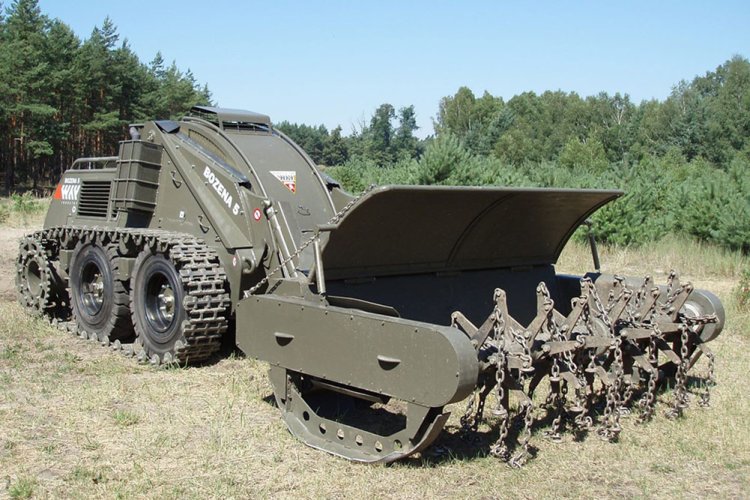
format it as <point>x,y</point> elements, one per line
<point>604,357</point>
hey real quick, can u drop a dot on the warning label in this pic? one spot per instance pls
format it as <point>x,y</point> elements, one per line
<point>287,177</point>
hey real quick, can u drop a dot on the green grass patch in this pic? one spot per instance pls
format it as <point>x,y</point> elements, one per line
<point>125,418</point>
<point>10,353</point>
<point>90,445</point>
<point>22,488</point>
<point>85,474</point>
<point>661,468</point>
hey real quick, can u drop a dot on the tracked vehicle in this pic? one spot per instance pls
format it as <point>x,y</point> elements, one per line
<point>374,312</point>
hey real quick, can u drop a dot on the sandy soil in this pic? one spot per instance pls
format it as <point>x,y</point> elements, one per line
<point>9,237</point>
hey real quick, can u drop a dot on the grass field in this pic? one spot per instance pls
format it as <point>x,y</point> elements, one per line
<point>77,420</point>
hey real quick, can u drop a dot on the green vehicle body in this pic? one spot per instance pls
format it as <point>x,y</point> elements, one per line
<point>350,300</point>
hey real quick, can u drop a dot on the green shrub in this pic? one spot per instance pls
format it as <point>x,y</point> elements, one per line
<point>22,488</point>
<point>742,292</point>
<point>25,204</point>
<point>357,174</point>
<point>715,206</point>
<point>441,158</point>
<point>589,155</point>
<point>354,175</point>
<point>664,194</point>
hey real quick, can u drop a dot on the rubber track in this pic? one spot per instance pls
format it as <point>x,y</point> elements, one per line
<point>122,327</point>
<point>207,299</point>
<point>206,302</point>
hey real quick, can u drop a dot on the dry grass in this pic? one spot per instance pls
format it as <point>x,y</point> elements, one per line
<point>23,211</point>
<point>695,260</point>
<point>77,420</point>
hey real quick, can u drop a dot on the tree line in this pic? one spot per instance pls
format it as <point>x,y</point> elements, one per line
<point>63,97</point>
<point>707,119</point>
<point>684,161</point>
<point>388,137</point>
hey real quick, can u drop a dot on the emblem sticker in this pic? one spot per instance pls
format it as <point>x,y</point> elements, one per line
<point>256,214</point>
<point>287,177</point>
<point>68,190</point>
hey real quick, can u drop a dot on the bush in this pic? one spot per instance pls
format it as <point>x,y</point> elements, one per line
<point>589,155</point>
<point>742,292</point>
<point>354,175</point>
<point>25,204</point>
<point>357,174</point>
<point>664,195</point>
<point>487,171</point>
<point>441,157</point>
<point>715,206</point>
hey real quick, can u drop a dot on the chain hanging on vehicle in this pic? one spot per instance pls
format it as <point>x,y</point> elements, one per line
<point>527,410</point>
<point>710,381</point>
<point>648,401</point>
<point>282,264</point>
<point>681,398</point>
<point>499,448</point>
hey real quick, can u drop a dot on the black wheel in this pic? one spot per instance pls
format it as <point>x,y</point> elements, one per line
<point>34,277</point>
<point>157,306</point>
<point>99,299</point>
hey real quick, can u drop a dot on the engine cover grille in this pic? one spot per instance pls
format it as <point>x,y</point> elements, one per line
<point>94,199</point>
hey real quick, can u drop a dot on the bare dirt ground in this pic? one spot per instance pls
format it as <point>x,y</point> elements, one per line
<point>9,237</point>
<point>77,420</point>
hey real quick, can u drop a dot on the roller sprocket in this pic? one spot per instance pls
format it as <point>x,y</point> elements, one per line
<point>35,277</point>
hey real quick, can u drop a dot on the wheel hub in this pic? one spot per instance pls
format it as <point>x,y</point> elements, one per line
<point>34,276</point>
<point>161,304</point>
<point>92,289</point>
<point>165,302</point>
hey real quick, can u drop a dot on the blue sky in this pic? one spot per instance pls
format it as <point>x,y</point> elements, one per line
<point>334,62</point>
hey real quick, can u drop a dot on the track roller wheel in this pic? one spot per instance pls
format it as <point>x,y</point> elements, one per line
<point>99,299</point>
<point>178,301</point>
<point>157,306</point>
<point>35,277</point>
